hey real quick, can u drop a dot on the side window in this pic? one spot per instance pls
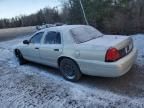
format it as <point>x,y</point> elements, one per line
<point>36,39</point>
<point>53,38</point>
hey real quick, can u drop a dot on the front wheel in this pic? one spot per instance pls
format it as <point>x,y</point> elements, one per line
<point>20,58</point>
<point>70,70</point>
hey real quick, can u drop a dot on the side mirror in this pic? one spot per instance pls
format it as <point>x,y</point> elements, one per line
<point>26,42</point>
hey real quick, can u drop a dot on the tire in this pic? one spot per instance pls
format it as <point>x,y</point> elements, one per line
<point>20,58</point>
<point>70,70</point>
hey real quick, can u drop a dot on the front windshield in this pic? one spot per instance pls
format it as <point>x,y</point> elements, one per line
<point>85,33</point>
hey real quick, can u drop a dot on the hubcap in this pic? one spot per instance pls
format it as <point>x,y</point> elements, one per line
<point>69,71</point>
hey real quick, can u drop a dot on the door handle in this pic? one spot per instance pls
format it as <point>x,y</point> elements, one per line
<point>56,49</point>
<point>37,48</point>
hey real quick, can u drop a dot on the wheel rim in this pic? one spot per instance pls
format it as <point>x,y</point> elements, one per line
<point>69,71</point>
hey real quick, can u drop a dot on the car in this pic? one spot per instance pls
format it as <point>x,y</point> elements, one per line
<point>49,25</point>
<point>78,50</point>
<point>59,24</point>
<point>40,27</point>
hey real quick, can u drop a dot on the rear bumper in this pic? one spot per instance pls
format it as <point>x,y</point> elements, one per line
<point>104,69</point>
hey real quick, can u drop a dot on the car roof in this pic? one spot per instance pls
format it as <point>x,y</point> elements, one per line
<point>63,27</point>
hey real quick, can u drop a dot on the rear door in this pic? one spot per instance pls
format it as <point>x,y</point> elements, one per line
<point>51,48</point>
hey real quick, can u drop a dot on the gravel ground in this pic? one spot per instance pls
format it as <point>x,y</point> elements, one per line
<point>34,85</point>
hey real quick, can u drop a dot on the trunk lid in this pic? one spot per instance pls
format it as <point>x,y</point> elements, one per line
<point>123,43</point>
<point>108,41</point>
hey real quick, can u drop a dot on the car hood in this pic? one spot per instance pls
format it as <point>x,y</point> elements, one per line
<point>107,41</point>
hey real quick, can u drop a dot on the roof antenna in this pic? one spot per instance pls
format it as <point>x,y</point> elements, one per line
<point>83,12</point>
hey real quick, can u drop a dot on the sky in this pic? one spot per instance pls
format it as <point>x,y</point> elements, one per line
<point>12,8</point>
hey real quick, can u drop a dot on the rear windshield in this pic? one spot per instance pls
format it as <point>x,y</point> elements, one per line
<point>85,33</point>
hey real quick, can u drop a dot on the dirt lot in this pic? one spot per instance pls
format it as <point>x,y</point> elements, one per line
<point>33,85</point>
<point>7,34</point>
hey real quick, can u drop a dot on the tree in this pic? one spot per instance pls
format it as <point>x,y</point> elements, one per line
<point>46,15</point>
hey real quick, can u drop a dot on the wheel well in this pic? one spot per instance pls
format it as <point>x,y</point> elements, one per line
<point>61,58</point>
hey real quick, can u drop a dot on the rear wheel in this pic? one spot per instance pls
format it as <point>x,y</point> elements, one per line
<point>20,58</point>
<point>70,70</point>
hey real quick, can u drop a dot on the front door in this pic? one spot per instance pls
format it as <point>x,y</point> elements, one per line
<point>32,49</point>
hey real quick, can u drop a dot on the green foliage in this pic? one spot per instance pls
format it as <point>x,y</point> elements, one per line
<point>110,16</point>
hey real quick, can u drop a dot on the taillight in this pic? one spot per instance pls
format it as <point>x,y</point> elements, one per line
<point>112,55</point>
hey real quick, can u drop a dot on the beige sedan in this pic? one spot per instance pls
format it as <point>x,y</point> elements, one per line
<point>79,49</point>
